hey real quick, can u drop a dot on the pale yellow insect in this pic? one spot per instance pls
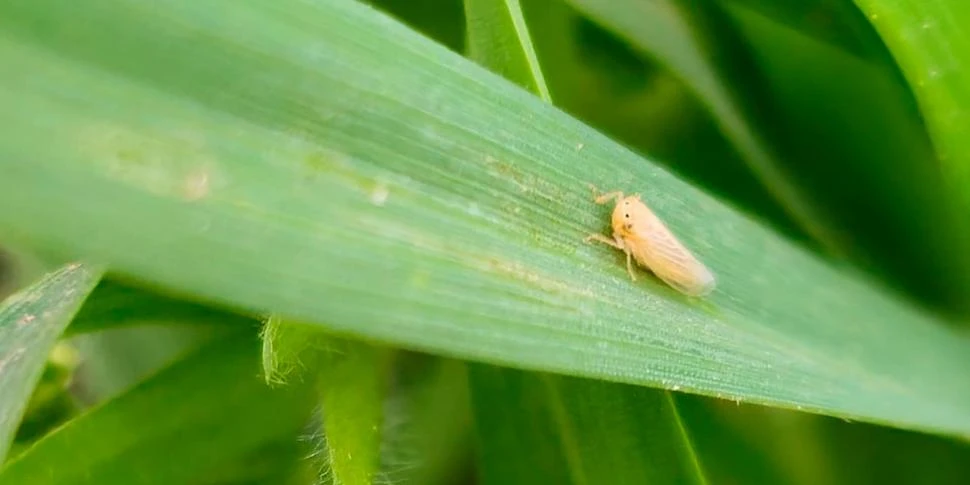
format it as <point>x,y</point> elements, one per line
<point>639,233</point>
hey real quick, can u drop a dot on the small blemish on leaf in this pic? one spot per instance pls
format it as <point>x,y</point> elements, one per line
<point>168,163</point>
<point>196,185</point>
<point>25,320</point>
<point>379,195</point>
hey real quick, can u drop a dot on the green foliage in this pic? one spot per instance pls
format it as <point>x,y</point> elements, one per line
<point>208,408</point>
<point>404,187</point>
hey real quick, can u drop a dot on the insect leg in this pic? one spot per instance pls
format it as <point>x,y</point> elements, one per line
<point>601,198</point>
<point>614,196</point>
<point>629,265</point>
<point>603,239</point>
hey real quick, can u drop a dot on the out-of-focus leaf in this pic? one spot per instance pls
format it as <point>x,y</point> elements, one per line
<point>115,359</point>
<point>540,428</point>
<point>930,43</point>
<point>860,144</point>
<point>427,429</point>
<point>498,39</point>
<point>439,19</point>
<point>116,304</point>
<point>51,403</point>
<point>31,320</point>
<point>208,408</point>
<point>753,444</point>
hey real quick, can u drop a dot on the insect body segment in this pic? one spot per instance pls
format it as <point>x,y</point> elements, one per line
<point>639,233</point>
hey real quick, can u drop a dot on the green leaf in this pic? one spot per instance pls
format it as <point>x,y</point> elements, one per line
<point>31,320</point>
<point>206,409</point>
<point>394,191</point>
<point>498,39</point>
<point>540,428</point>
<point>927,40</point>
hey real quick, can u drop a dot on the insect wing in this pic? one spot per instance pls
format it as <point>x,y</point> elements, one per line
<point>656,248</point>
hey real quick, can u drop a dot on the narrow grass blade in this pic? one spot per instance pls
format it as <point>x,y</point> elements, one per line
<point>391,190</point>
<point>930,44</point>
<point>31,320</point>
<point>498,38</point>
<point>208,408</point>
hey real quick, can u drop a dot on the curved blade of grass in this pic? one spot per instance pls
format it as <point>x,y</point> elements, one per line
<point>498,38</point>
<point>31,320</point>
<point>930,43</point>
<point>206,409</point>
<point>541,428</point>
<point>277,162</point>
